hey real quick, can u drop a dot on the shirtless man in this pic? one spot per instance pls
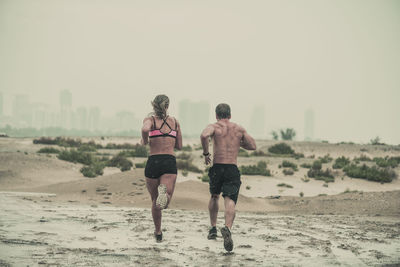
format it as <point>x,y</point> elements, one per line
<point>224,175</point>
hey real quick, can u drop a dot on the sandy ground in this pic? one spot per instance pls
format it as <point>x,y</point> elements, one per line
<point>52,215</point>
<point>45,233</point>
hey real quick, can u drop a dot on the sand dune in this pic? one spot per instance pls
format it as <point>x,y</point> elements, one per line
<point>55,216</point>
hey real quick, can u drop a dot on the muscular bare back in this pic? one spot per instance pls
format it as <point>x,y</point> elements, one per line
<point>227,138</point>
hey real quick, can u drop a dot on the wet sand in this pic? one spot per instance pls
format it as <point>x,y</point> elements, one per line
<point>38,232</point>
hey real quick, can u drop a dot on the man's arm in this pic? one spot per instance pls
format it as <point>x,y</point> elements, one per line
<point>204,137</point>
<point>145,131</point>
<point>178,142</point>
<point>248,142</point>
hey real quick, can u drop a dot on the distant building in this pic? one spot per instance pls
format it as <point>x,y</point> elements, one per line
<point>309,125</point>
<point>93,120</point>
<point>40,115</point>
<point>22,111</point>
<point>65,109</point>
<point>1,104</point>
<point>193,116</point>
<point>257,122</point>
<point>81,118</point>
<point>126,121</point>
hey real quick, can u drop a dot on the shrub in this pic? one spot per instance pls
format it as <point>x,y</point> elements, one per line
<point>349,191</point>
<point>317,173</point>
<point>204,178</point>
<point>281,148</point>
<point>120,162</point>
<point>185,173</point>
<point>248,187</point>
<point>341,162</point>
<point>75,156</point>
<point>259,169</point>
<point>306,165</point>
<point>185,156</point>
<point>275,135</point>
<point>141,165</point>
<point>49,150</point>
<point>88,172</point>
<point>141,151</point>
<point>325,159</point>
<point>68,142</point>
<point>298,155</point>
<point>376,141</point>
<point>383,175</point>
<point>45,141</point>
<point>387,162</point>
<point>187,164</point>
<point>187,148</point>
<point>87,147</point>
<point>301,194</point>
<point>127,153</point>
<point>284,185</point>
<point>243,153</point>
<point>288,172</point>
<point>258,153</point>
<point>288,134</point>
<point>317,165</point>
<point>93,170</point>
<point>288,164</point>
<point>120,146</point>
<point>363,158</point>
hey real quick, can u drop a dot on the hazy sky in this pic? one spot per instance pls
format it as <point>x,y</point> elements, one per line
<point>341,58</point>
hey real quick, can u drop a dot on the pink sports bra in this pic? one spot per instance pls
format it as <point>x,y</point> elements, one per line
<point>157,132</point>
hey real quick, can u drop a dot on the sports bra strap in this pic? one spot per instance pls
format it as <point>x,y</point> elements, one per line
<point>154,123</point>
<point>164,122</point>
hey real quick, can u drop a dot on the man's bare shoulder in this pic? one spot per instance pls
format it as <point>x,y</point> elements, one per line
<point>237,127</point>
<point>214,125</point>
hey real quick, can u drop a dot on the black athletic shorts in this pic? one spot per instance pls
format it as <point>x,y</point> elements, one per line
<point>225,178</point>
<point>160,164</point>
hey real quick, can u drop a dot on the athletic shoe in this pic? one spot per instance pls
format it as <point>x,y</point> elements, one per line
<point>158,237</point>
<point>228,242</point>
<point>162,199</point>
<point>212,234</point>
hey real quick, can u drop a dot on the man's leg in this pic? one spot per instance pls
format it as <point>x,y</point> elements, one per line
<point>229,217</point>
<point>213,209</point>
<point>229,211</point>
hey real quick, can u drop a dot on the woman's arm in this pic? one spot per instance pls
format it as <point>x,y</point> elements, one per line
<point>145,131</point>
<point>178,142</point>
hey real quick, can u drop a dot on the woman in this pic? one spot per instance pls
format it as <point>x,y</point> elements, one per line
<point>164,134</point>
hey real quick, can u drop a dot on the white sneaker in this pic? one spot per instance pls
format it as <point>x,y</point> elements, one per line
<point>162,199</point>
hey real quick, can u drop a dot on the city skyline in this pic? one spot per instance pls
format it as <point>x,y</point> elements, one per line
<point>63,113</point>
<point>339,58</point>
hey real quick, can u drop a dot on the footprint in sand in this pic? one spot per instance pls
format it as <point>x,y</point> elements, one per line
<point>86,238</point>
<point>101,189</point>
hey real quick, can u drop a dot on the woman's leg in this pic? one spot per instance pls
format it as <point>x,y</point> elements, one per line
<point>152,185</point>
<point>168,180</point>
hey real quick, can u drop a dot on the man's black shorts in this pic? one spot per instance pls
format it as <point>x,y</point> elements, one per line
<point>160,164</point>
<point>225,178</point>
